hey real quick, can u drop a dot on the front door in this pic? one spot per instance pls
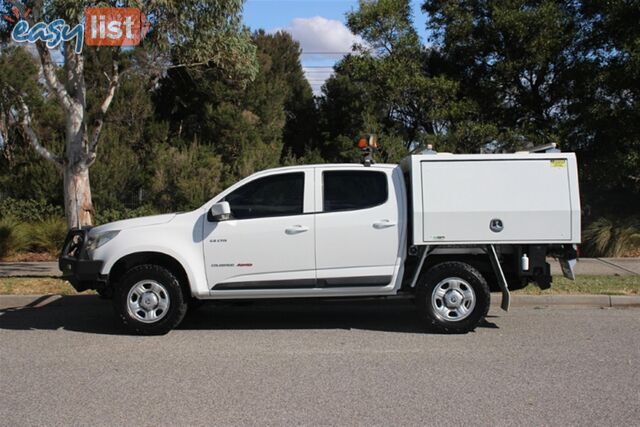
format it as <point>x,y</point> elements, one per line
<point>268,243</point>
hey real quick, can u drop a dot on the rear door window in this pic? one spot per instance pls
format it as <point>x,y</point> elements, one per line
<point>352,190</point>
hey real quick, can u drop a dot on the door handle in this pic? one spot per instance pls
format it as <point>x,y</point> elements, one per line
<point>296,229</point>
<point>385,223</point>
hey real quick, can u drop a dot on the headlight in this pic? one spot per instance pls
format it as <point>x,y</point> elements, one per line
<point>100,239</point>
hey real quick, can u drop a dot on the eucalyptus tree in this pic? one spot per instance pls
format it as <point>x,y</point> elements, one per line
<point>189,33</point>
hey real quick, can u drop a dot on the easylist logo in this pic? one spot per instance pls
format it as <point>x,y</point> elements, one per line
<point>111,26</point>
<point>103,26</point>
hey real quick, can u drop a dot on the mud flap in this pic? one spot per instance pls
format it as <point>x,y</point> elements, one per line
<point>568,268</point>
<point>568,262</point>
<point>502,282</point>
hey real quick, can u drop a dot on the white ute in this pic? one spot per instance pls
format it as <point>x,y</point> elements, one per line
<point>443,229</point>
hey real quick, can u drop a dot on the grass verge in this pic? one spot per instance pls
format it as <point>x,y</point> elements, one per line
<point>35,286</point>
<point>595,285</point>
<point>598,285</point>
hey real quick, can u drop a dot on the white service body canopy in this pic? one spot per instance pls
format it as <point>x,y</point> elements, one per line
<point>520,198</point>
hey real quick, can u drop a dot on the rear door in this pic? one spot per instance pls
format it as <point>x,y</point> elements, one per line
<point>357,227</point>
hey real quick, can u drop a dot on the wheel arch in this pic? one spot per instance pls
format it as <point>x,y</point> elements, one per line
<point>125,263</point>
<point>480,262</point>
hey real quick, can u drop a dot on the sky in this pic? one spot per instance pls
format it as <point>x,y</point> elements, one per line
<point>319,26</point>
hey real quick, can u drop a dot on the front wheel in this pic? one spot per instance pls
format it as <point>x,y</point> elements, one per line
<point>149,300</point>
<point>453,297</point>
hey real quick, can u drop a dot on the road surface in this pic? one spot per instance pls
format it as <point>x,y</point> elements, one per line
<point>330,363</point>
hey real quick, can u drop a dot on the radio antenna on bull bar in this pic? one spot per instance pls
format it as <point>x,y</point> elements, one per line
<point>369,146</point>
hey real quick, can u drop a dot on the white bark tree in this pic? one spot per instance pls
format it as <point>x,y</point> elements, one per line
<point>189,32</point>
<point>81,144</point>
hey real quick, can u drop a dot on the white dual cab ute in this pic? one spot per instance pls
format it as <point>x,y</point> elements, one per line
<point>442,229</point>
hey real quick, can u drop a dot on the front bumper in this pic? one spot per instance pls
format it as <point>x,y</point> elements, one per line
<point>82,272</point>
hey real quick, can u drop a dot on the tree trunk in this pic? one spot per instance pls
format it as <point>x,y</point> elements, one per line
<point>77,190</point>
<point>77,196</point>
<point>80,150</point>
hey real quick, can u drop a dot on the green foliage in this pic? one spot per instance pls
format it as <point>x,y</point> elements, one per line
<point>191,34</point>
<point>185,179</point>
<point>18,74</point>
<point>252,127</point>
<point>106,215</point>
<point>46,236</point>
<point>279,57</point>
<point>23,174</point>
<point>204,31</point>
<point>393,87</point>
<point>119,174</point>
<point>608,237</point>
<point>257,157</point>
<point>310,157</point>
<point>386,25</point>
<point>511,57</point>
<point>172,148</point>
<point>13,236</point>
<point>28,210</point>
<point>553,71</point>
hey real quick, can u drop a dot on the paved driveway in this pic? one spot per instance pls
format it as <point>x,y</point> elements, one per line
<point>362,363</point>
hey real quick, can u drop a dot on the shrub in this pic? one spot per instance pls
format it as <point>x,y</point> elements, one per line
<point>28,210</point>
<point>47,236</point>
<point>13,236</point>
<point>184,178</point>
<point>612,238</point>
<point>104,216</point>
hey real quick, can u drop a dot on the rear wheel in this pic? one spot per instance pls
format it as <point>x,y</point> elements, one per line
<point>149,300</point>
<point>453,297</point>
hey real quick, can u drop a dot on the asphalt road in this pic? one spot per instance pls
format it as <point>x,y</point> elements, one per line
<point>330,363</point>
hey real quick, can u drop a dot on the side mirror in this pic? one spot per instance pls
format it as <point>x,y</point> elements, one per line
<point>219,212</point>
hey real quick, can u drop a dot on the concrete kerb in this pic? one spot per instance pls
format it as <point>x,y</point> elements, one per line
<point>609,301</point>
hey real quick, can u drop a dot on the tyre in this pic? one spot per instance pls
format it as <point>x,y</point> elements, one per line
<point>453,297</point>
<point>149,300</point>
